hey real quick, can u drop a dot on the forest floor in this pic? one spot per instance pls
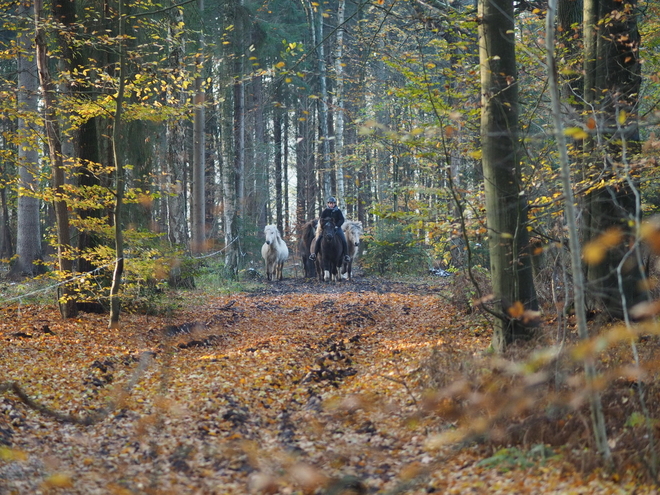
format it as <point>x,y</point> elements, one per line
<point>367,386</point>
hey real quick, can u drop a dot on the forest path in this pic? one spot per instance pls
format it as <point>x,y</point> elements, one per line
<point>298,387</point>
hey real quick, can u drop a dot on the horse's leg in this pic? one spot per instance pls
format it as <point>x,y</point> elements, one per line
<point>327,270</point>
<point>319,267</point>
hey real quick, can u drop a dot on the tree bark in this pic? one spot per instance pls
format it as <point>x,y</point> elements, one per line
<point>277,138</point>
<point>120,179</point>
<point>198,179</point>
<point>612,84</point>
<point>177,214</point>
<point>67,302</point>
<point>324,138</point>
<point>28,239</point>
<point>597,416</point>
<point>506,208</point>
<point>339,100</point>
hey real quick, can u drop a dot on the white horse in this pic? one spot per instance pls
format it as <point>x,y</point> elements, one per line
<point>274,252</point>
<point>352,231</point>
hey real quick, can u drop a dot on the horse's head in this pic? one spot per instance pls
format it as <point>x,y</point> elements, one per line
<point>353,232</point>
<point>271,234</point>
<point>328,228</point>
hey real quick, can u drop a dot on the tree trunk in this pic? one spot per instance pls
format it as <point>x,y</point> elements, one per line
<point>6,246</point>
<point>339,101</point>
<point>261,183</point>
<point>277,138</point>
<point>198,179</point>
<point>597,416</point>
<point>324,166</point>
<point>612,84</point>
<point>230,211</point>
<point>239,139</point>
<point>506,208</point>
<point>117,157</point>
<point>285,170</point>
<point>176,141</point>
<point>28,239</point>
<point>68,307</point>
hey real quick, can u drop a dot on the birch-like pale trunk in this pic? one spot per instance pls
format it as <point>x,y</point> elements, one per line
<point>28,238</point>
<point>597,416</point>
<point>339,100</point>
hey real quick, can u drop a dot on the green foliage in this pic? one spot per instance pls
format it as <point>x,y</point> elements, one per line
<point>394,249</point>
<point>637,419</point>
<point>510,458</point>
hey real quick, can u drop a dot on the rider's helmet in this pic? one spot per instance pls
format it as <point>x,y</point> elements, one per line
<point>332,199</point>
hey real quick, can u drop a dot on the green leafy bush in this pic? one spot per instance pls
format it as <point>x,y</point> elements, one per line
<point>394,249</point>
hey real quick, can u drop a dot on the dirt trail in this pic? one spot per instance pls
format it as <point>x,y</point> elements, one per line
<point>299,387</point>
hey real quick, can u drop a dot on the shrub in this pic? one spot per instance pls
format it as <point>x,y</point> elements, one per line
<point>394,249</point>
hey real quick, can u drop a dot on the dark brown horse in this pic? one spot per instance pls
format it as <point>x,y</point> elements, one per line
<point>331,254</point>
<point>305,247</point>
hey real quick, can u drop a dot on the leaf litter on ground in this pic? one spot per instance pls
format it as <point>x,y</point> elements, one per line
<point>285,390</point>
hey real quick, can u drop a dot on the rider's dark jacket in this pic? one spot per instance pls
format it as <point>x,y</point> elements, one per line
<point>336,215</point>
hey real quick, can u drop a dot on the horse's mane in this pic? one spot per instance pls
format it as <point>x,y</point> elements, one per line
<point>352,227</point>
<point>308,232</point>
<point>273,228</point>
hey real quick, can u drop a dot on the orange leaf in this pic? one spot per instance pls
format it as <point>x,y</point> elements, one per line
<point>516,310</point>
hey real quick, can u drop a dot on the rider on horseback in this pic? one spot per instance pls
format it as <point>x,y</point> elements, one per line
<point>335,213</point>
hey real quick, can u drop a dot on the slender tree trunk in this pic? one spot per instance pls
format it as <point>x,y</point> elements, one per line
<point>325,166</point>
<point>598,419</point>
<point>506,208</point>
<point>6,246</point>
<point>230,211</point>
<point>261,182</point>
<point>119,176</point>
<point>28,239</point>
<point>198,179</point>
<point>285,169</point>
<point>239,139</point>
<point>277,138</point>
<point>176,141</point>
<point>339,101</point>
<point>68,307</point>
<point>213,153</point>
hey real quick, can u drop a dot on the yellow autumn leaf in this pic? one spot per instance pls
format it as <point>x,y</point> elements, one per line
<point>575,133</point>
<point>58,480</point>
<point>8,454</point>
<point>622,117</point>
<point>593,253</point>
